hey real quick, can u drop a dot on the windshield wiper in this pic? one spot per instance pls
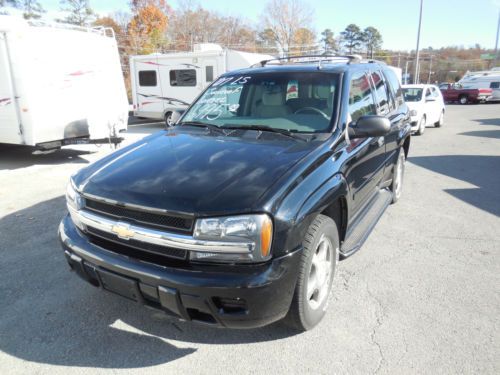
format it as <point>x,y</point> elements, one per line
<point>200,124</point>
<point>264,128</point>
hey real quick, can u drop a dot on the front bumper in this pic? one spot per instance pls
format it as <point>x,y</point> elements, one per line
<point>238,296</point>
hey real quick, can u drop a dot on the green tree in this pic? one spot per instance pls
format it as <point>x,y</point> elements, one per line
<point>352,37</point>
<point>372,39</point>
<point>328,41</point>
<point>32,9</point>
<point>80,12</point>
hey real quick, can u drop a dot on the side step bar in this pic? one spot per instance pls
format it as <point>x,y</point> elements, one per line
<point>365,222</point>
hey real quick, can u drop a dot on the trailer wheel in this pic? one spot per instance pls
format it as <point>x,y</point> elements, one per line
<point>168,120</point>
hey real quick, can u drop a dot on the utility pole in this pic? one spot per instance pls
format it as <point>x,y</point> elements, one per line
<point>496,40</point>
<point>416,78</point>
<point>399,59</point>
<point>430,71</point>
<point>406,72</point>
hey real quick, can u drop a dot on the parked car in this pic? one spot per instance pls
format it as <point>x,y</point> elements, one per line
<point>238,215</point>
<point>483,79</point>
<point>426,106</point>
<point>455,92</point>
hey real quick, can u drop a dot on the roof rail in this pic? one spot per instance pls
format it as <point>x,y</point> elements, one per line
<point>301,59</point>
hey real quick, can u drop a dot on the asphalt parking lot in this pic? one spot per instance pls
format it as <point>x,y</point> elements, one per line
<point>422,296</point>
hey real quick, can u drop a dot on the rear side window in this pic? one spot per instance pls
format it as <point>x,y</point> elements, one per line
<point>360,97</point>
<point>380,92</point>
<point>147,78</point>
<point>183,77</point>
<point>495,85</point>
<point>394,86</point>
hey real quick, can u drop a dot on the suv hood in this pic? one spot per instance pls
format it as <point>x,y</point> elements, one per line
<point>194,171</point>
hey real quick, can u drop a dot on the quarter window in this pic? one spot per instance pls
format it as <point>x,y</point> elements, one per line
<point>183,77</point>
<point>147,78</point>
<point>360,97</point>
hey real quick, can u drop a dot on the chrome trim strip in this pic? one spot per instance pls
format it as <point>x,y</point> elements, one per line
<point>162,238</point>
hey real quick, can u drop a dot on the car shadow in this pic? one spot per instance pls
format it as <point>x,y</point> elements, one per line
<point>49,315</point>
<point>15,157</point>
<point>478,170</point>
<point>483,133</point>
<point>488,121</point>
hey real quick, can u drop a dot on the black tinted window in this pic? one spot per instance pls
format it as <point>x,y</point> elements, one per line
<point>209,73</point>
<point>183,77</point>
<point>147,78</point>
<point>394,86</point>
<point>360,97</point>
<point>495,85</point>
<point>381,92</point>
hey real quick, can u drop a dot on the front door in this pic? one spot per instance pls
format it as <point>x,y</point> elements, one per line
<point>366,165</point>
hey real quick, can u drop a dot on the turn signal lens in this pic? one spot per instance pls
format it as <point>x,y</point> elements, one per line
<point>266,235</point>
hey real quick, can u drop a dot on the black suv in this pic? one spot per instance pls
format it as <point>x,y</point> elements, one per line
<point>238,215</point>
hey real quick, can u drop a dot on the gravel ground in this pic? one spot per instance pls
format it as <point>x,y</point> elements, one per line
<point>422,296</point>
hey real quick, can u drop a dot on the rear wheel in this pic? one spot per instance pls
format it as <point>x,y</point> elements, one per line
<point>422,125</point>
<point>463,99</point>
<point>317,268</point>
<point>397,178</point>
<point>440,122</point>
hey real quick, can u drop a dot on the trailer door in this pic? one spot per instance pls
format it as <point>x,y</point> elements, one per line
<point>9,118</point>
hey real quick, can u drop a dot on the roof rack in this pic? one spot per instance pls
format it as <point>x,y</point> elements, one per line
<point>305,59</point>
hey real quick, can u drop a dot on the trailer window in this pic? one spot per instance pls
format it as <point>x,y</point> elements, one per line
<point>183,77</point>
<point>209,73</point>
<point>495,85</point>
<point>147,78</point>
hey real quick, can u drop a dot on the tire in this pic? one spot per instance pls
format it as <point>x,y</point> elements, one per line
<point>440,122</point>
<point>308,308</point>
<point>168,120</point>
<point>463,99</point>
<point>421,125</point>
<point>398,176</point>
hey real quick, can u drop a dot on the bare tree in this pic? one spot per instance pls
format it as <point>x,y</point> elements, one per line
<point>283,18</point>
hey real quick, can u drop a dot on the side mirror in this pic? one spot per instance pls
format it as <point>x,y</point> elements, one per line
<point>176,115</point>
<point>370,126</point>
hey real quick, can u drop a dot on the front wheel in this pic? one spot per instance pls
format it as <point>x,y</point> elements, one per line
<point>422,125</point>
<point>320,256</point>
<point>463,99</point>
<point>397,178</point>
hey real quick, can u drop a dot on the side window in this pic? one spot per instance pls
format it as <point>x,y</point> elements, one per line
<point>183,77</point>
<point>394,86</point>
<point>380,92</point>
<point>495,85</point>
<point>428,93</point>
<point>147,78</point>
<point>209,73</point>
<point>360,97</point>
<point>435,92</point>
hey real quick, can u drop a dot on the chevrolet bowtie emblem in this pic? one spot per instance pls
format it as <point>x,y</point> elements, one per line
<point>123,230</point>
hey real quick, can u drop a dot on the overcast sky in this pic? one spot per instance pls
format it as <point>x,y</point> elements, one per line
<point>445,22</point>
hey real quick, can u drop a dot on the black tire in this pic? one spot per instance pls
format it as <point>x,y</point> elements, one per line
<point>440,122</point>
<point>421,125</point>
<point>463,99</point>
<point>168,120</point>
<point>302,316</point>
<point>397,183</point>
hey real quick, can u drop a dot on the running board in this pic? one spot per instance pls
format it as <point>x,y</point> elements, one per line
<point>365,222</point>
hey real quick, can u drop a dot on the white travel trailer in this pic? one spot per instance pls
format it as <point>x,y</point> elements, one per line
<point>486,79</point>
<point>59,85</point>
<point>163,83</point>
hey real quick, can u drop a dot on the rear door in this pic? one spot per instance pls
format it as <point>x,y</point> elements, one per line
<point>181,84</point>
<point>9,119</point>
<point>148,89</point>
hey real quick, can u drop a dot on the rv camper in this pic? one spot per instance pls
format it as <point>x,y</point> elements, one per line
<point>487,79</point>
<point>163,83</point>
<point>59,85</point>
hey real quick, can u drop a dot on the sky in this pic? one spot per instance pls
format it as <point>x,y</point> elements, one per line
<point>444,22</point>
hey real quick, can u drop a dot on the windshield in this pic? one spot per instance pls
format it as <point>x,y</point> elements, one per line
<point>412,94</point>
<point>295,102</point>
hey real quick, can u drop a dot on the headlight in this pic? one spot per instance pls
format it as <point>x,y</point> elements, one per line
<point>413,112</point>
<point>74,202</point>
<point>255,230</point>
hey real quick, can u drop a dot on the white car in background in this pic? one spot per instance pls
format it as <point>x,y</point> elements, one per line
<point>426,106</point>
